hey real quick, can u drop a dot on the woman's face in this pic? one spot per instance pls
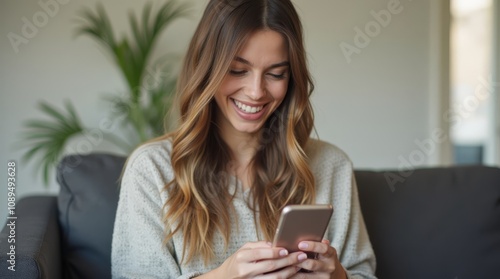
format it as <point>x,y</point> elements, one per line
<point>255,85</point>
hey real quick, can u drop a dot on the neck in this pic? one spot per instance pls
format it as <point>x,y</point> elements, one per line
<point>243,146</point>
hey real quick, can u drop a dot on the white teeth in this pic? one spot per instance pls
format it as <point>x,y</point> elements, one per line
<point>248,109</point>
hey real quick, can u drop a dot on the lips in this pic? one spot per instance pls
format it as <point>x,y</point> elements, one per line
<point>248,112</point>
<point>247,108</point>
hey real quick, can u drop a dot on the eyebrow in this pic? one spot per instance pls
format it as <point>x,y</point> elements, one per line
<point>277,65</point>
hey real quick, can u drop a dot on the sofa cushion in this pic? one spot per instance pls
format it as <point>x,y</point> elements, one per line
<point>87,205</point>
<point>433,223</point>
<point>37,251</point>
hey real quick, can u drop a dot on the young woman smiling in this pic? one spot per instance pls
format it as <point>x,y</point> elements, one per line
<point>204,200</point>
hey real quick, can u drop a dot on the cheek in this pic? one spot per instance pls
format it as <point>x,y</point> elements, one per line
<point>228,86</point>
<point>221,94</point>
<point>278,90</point>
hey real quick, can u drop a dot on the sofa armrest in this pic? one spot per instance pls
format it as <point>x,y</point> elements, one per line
<point>37,240</point>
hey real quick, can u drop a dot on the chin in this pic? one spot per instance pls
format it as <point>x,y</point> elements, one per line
<point>248,129</point>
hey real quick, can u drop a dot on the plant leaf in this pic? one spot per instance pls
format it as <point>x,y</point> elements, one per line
<point>47,138</point>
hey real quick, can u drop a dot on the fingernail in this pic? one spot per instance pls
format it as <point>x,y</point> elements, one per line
<point>283,252</point>
<point>269,243</point>
<point>303,245</point>
<point>302,257</point>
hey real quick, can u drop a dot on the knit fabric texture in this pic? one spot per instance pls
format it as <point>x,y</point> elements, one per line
<point>137,247</point>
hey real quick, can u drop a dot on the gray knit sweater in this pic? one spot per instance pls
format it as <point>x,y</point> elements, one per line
<point>137,249</point>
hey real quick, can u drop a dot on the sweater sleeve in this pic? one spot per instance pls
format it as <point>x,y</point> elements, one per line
<point>137,246</point>
<point>357,256</point>
<point>347,232</point>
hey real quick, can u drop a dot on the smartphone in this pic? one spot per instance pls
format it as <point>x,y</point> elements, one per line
<point>302,223</point>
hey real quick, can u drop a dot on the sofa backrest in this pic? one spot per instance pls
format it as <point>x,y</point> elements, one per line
<point>433,223</point>
<point>87,204</point>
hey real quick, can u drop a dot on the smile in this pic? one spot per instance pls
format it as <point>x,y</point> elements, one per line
<point>246,108</point>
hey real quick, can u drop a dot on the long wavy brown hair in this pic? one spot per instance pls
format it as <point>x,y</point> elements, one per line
<point>198,199</point>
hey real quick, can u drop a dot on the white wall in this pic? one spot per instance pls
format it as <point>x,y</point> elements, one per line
<point>374,107</point>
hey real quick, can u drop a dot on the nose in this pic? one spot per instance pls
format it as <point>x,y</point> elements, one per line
<point>256,89</point>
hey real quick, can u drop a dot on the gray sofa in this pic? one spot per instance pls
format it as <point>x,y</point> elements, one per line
<point>441,223</point>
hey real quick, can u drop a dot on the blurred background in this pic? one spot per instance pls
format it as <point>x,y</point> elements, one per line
<point>399,84</point>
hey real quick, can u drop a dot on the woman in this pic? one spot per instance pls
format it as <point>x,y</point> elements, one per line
<point>204,201</point>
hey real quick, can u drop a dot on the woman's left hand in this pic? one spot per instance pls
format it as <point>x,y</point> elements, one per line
<point>326,265</point>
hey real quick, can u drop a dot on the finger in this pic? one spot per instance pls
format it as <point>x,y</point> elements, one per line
<point>287,272</point>
<point>311,265</point>
<point>324,263</point>
<point>316,247</point>
<point>258,254</point>
<point>331,252</point>
<point>272,265</point>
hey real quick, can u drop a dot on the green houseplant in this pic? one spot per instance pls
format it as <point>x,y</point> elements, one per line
<point>142,108</point>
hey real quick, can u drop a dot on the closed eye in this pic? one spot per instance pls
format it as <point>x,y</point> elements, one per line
<point>280,76</point>
<point>237,73</point>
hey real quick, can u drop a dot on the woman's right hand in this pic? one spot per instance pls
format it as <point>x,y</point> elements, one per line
<point>259,260</point>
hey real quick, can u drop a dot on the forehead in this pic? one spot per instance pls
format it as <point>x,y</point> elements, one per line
<point>264,47</point>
